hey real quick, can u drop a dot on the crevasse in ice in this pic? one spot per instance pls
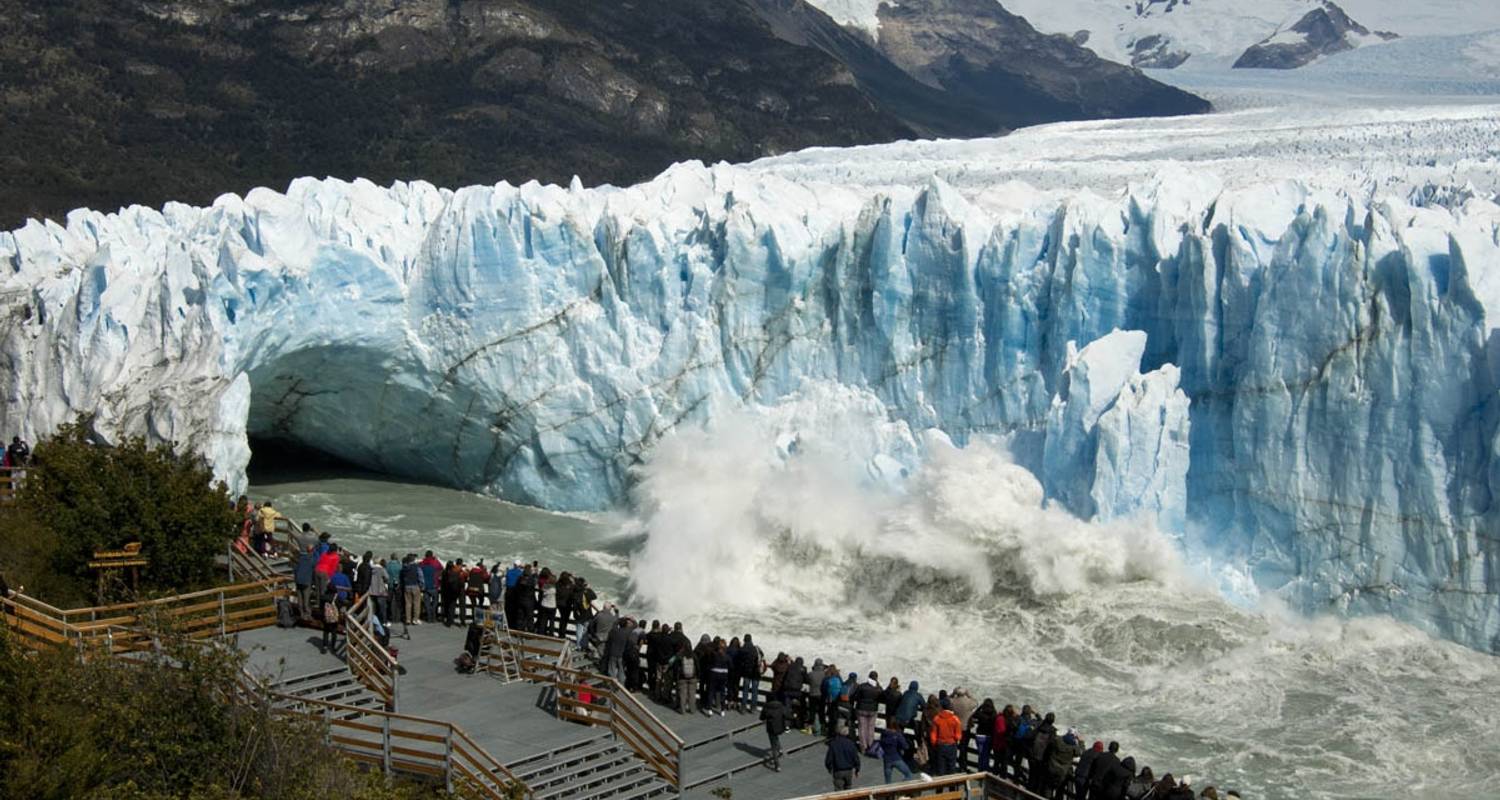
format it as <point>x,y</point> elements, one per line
<point>1292,379</point>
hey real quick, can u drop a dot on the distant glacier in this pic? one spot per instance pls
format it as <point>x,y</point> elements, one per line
<point>1296,378</point>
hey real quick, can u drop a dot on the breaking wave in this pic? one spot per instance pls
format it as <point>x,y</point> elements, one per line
<point>907,554</point>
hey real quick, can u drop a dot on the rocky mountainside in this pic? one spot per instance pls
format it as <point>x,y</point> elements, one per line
<point>1323,31</point>
<point>113,102</point>
<point>1211,34</point>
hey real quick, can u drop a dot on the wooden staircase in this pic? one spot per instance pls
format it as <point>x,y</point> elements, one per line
<point>594,769</point>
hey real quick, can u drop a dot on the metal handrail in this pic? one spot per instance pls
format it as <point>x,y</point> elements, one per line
<point>461,754</point>
<point>655,743</point>
<point>362,644</point>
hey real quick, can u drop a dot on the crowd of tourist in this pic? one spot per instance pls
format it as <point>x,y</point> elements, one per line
<point>862,717</point>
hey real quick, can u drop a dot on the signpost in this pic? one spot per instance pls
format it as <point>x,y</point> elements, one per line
<point>108,563</point>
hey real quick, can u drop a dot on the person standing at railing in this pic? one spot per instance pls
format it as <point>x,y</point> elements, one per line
<point>450,589</point>
<point>546,615</point>
<point>616,645</point>
<point>791,688</point>
<point>266,520</point>
<point>411,589</point>
<point>1084,769</point>
<point>812,693</point>
<point>302,574</point>
<point>323,572</point>
<point>512,595</point>
<point>685,667</point>
<point>564,600</point>
<point>394,604</point>
<point>432,571</point>
<point>945,736</point>
<point>380,593</point>
<point>866,700</point>
<point>752,664</point>
<point>477,585</point>
<point>718,677</point>
<point>362,574</point>
<point>964,706</point>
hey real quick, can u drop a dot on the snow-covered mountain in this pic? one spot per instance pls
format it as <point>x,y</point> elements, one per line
<point>1273,333</point>
<point>1168,33</point>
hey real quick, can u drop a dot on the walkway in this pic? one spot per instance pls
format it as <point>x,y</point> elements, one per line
<point>508,720</point>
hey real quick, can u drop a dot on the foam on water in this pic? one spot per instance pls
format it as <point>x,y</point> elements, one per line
<point>960,575</point>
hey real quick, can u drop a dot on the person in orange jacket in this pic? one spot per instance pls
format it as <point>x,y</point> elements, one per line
<point>946,733</point>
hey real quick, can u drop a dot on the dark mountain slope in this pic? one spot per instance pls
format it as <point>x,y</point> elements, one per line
<point>111,102</point>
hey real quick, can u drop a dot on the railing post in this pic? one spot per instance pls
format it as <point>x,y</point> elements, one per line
<point>385,743</point>
<point>448,760</point>
<point>222,624</point>
<point>395,685</point>
<point>328,725</point>
<point>229,558</point>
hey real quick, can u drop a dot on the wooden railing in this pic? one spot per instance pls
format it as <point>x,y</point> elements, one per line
<point>211,612</point>
<point>369,662</point>
<point>11,479</point>
<point>608,704</point>
<point>537,656</point>
<point>394,742</point>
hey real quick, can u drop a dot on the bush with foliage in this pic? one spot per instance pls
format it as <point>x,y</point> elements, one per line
<point>161,728</point>
<point>92,496</point>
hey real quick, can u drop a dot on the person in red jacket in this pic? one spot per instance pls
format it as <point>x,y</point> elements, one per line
<point>323,571</point>
<point>946,733</point>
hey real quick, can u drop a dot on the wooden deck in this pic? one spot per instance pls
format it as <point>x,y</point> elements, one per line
<point>509,722</point>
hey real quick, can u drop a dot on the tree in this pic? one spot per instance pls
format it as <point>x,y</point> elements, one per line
<point>92,496</point>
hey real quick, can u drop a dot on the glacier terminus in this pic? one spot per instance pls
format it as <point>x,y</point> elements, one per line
<point>1287,357</point>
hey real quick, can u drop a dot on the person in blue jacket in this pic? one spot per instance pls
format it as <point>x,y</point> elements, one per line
<point>842,760</point>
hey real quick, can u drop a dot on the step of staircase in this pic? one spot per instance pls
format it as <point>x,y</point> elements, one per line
<point>590,769</point>
<point>329,686</point>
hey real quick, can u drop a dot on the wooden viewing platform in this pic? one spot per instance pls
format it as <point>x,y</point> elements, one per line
<point>516,727</point>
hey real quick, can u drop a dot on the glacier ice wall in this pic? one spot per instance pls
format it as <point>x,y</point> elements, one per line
<point>1316,403</point>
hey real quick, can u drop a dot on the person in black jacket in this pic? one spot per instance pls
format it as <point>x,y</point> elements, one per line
<point>1105,763</point>
<point>890,699</point>
<point>982,730</point>
<point>792,689</point>
<point>1081,773</point>
<point>866,701</point>
<point>751,662</point>
<point>842,760</point>
<point>1040,751</point>
<point>775,717</point>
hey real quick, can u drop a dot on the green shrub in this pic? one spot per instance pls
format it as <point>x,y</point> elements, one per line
<point>161,729</point>
<point>92,496</point>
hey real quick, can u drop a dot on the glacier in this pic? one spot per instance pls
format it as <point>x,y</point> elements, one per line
<point>1290,369</point>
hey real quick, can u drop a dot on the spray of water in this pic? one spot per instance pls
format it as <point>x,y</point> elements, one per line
<point>785,523</point>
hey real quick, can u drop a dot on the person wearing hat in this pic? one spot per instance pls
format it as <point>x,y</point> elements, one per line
<point>945,736</point>
<point>1060,763</point>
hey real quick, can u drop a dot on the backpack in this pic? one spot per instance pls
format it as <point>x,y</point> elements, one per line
<point>1040,743</point>
<point>465,663</point>
<point>286,616</point>
<point>331,612</point>
<point>1023,730</point>
<point>689,668</point>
